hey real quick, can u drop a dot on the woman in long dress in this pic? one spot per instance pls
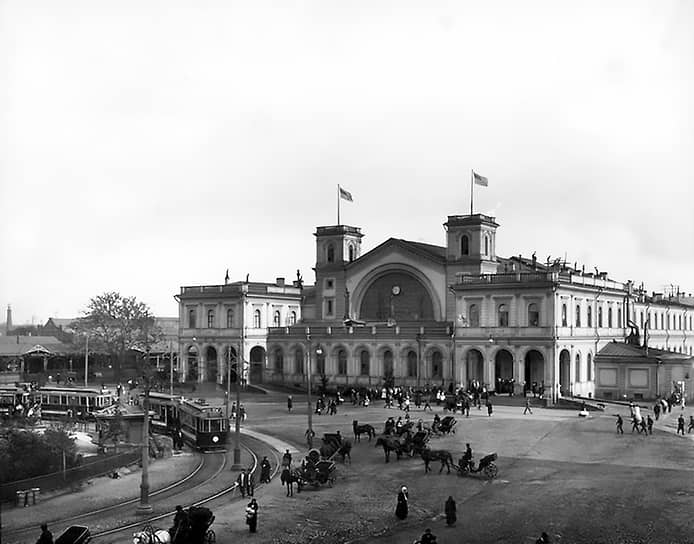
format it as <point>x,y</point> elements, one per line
<point>449,509</point>
<point>401,508</point>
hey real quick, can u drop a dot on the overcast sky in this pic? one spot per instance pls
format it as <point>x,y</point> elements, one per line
<point>149,145</point>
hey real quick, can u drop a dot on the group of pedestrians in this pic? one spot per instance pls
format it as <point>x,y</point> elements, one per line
<point>402,509</point>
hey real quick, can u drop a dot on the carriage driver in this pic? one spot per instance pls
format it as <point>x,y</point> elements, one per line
<point>466,459</point>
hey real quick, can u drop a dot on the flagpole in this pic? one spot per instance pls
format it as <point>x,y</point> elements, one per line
<point>472,177</point>
<point>338,203</point>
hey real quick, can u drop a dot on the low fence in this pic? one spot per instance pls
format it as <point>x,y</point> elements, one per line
<point>70,477</point>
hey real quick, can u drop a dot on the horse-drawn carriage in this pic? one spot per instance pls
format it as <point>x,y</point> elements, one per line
<point>191,528</point>
<point>486,467</point>
<point>76,534</point>
<point>417,442</point>
<point>315,471</point>
<point>445,426</point>
<point>334,444</point>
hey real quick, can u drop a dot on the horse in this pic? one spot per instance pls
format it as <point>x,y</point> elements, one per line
<point>404,428</point>
<point>152,536</point>
<point>389,443</point>
<point>289,478</point>
<point>444,456</point>
<point>361,429</point>
<point>344,451</point>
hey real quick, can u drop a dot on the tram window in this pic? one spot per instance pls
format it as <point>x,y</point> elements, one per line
<point>215,425</point>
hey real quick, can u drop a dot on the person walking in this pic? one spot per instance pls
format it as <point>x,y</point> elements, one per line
<point>544,539</point>
<point>250,483</point>
<point>449,509</point>
<point>680,425</point>
<point>290,404</point>
<point>265,469</point>
<point>490,408</point>
<point>527,407</point>
<point>690,428</point>
<point>46,536</point>
<point>649,424</point>
<point>656,410</point>
<point>620,425</point>
<point>402,506</point>
<point>242,482</point>
<point>252,516</point>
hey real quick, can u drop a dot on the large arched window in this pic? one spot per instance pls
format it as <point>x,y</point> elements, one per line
<point>210,319</point>
<point>342,362</point>
<point>351,253</point>
<point>464,245</point>
<point>641,320</point>
<point>578,315</point>
<point>230,318</point>
<point>387,364</point>
<point>276,319</point>
<point>437,365</point>
<point>563,315</point>
<point>291,319</point>
<point>191,319</point>
<point>503,315</point>
<point>364,363</point>
<point>330,253</point>
<point>600,316</point>
<point>486,245</point>
<point>256,319</point>
<point>619,317</point>
<point>474,315</point>
<point>411,364</point>
<point>320,363</point>
<point>533,315</point>
<point>589,367</point>
<point>609,318</point>
<point>298,361</point>
<point>578,367</point>
<point>589,316</point>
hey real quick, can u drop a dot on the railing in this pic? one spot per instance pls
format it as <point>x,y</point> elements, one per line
<point>58,480</point>
<point>236,289</point>
<point>534,277</point>
<point>442,330</point>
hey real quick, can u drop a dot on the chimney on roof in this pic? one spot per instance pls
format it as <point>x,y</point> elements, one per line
<point>534,261</point>
<point>280,282</point>
<point>8,322</point>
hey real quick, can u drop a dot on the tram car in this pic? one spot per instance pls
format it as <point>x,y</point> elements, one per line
<point>202,425</point>
<point>12,397</point>
<point>72,402</point>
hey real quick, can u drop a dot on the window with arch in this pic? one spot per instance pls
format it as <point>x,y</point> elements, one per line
<point>486,245</point>
<point>680,319</point>
<point>298,361</point>
<point>600,316</point>
<point>256,319</point>
<point>502,312</point>
<point>578,367</point>
<point>564,322</point>
<point>276,318</point>
<point>662,321</point>
<point>641,320</point>
<point>589,367</point>
<point>411,364</point>
<point>342,362</point>
<point>330,253</point>
<point>690,325</point>
<point>279,359</point>
<point>364,363</point>
<point>291,319</point>
<point>533,315</point>
<point>191,319</point>
<point>619,317</point>
<point>589,316</point>
<point>668,322</point>
<point>609,318</point>
<point>210,319</point>
<point>230,318</point>
<point>437,365</point>
<point>320,363</point>
<point>464,245</point>
<point>578,315</point>
<point>351,252</point>
<point>473,313</point>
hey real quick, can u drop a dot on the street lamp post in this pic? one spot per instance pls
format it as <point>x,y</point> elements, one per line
<point>309,437</point>
<point>86,359</point>
<point>144,507</point>
<point>239,370</point>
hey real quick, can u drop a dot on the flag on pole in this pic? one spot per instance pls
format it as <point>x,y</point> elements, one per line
<point>345,194</point>
<point>480,180</point>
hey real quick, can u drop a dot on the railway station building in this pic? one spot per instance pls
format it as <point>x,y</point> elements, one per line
<point>418,314</point>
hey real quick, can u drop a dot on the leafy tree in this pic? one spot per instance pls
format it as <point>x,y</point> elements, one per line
<point>116,324</point>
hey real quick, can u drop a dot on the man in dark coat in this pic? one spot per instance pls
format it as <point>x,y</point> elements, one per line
<point>46,536</point>
<point>680,425</point>
<point>242,482</point>
<point>402,507</point>
<point>252,515</point>
<point>265,468</point>
<point>449,509</point>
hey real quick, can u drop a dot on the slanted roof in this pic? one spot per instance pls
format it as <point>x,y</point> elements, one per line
<point>631,353</point>
<point>16,346</point>
<point>435,252</point>
<point>428,251</point>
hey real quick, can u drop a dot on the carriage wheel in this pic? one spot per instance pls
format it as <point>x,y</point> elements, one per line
<point>210,537</point>
<point>491,470</point>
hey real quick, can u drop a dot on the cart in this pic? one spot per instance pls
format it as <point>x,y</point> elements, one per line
<point>76,534</point>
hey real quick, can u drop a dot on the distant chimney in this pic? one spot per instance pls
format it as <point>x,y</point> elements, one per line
<point>280,282</point>
<point>8,322</point>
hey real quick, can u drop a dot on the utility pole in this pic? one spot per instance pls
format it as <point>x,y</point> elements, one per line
<point>239,372</point>
<point>144,507</point>
<point>171,368</point>
<point>86,359</point>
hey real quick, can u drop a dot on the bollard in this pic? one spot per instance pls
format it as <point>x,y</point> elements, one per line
<point>35,491</point>
<point>17,498</point>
